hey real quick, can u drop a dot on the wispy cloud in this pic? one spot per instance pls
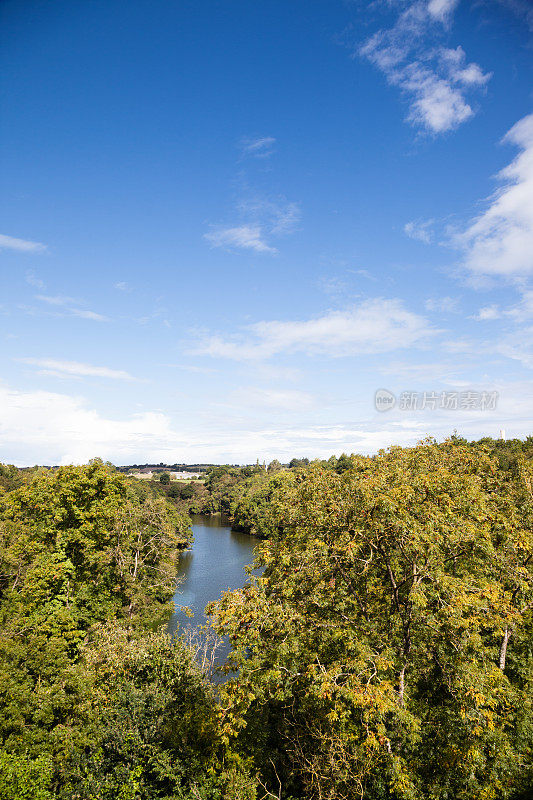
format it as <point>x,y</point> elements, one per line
<point>86,314</point>
<point>56,300</point>
<point>277,216</point>
<point>442,372</point>
<point>21,245</point>
<point>52,428</point>
<point>264,219</point>
<point>35,281</point>
<point>122,286</point>
<point>374,326</point>
<point>522,8</point>
<point>434,79</point>
<point>488,313</point>
<point>242,237</point>
<point>334,286</point>
<point>500,240</point>
<point>70,307</point>
<point>518,313</point>
<point>420,230</point>
<point>285,218</point>
<point>194,368</point>
<point>518,346</point>
<point>442,9</point>
<point>260,147</point>
<point>444,305</point>
<point>63,369</point>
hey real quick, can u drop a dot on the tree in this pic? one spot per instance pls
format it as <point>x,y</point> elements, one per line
<point>372,652</point>
<point>78,545</point>
<point>22,778</point>
<point>152,722</point>
<point>261,504</point>
<point>344,462</point>
<point>164,478</point>
<point>296,463</point>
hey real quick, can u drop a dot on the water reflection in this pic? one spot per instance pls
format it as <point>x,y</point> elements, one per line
<point>215,563</point>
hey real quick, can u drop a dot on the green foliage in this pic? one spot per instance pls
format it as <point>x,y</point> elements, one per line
<point>508,452</point>
<point>77,546</point>
<point>297,463</point>
<point>385,653</point>
<point>164,478</point>
<point>11,477</point>
<point>261,505</point>
<point>91,709</point>
<point>85,539</point>
<point>371,653</point>
<point>24,779</point>
<point>151,722</point>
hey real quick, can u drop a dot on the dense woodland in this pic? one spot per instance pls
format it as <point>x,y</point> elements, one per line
<point>385,653</point>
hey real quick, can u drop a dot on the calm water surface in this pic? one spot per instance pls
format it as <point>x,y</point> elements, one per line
<point>215,563</point>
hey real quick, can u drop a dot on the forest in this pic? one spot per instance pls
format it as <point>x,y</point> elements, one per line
<point>384,653</point>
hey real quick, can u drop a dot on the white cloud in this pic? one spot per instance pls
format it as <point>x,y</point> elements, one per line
<point>454,61</point>
<point>285,219</point>
<point>434,79</point>
<point>518,346</point>
<point>244,237</point>
<point>122,286</point>
<point>55,300</point>
<point>70,306</point>
<point>53,428</point>
<point>436,105</point>
<point>85,314</point>
<point>518,313</point>
<point>500,240</point>
<point>445,305</point>
<point>420,230</point>
<point>64,369</point>
<point>261,147</point>
<point>333,286</point>
<point>263,218</point>
<point>488,313</point>
<point>468,347</point>
<point>441,9</point>
<point>22,245</point>
<point>524,309</point>
<point>373,326</point>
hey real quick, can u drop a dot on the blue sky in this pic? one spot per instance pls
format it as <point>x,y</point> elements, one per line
<point>225,225</point>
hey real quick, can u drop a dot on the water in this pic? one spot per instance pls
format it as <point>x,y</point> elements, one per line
<point>215,563</point>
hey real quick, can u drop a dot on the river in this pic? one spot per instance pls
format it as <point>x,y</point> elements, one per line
<point>215,563</point>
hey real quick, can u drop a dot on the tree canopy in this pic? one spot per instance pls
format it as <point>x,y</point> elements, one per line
<point>385,651</point>
<point>374,655</point>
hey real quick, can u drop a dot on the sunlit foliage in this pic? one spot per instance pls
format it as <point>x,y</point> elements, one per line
<point>386,651</point>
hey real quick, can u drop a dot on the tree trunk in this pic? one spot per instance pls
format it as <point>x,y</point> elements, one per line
<point>503,648</point>
<point>402,685</point>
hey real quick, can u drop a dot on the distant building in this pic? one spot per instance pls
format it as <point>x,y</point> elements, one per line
<point>147,474</point>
